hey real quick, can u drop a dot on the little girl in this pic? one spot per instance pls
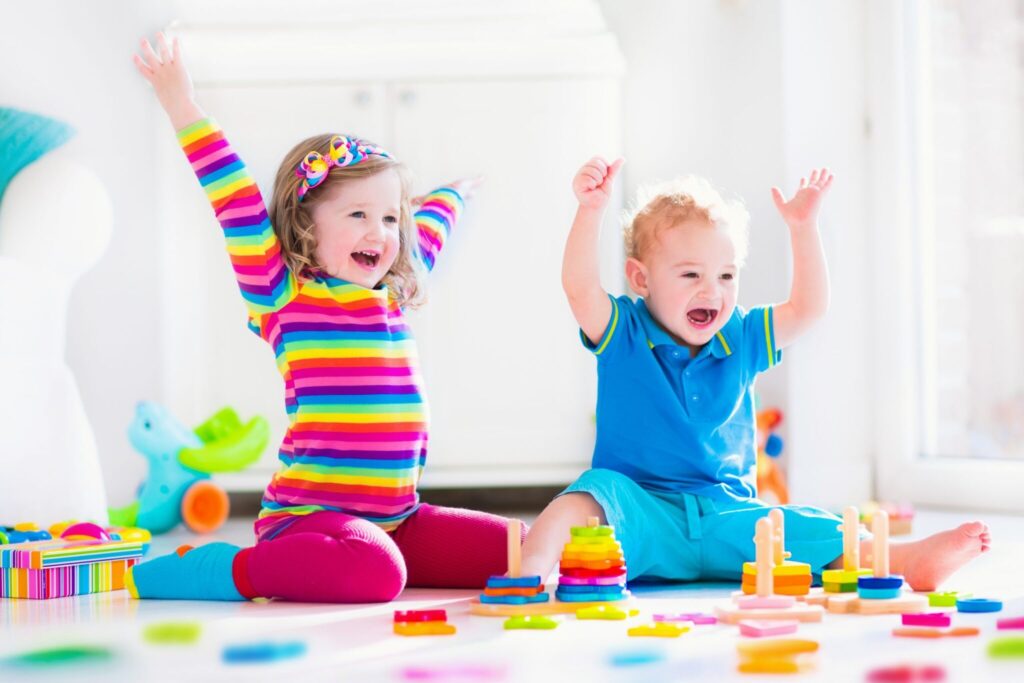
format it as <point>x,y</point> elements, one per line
<point>325,276</point>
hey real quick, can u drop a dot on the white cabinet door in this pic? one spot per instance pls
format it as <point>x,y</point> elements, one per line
<point>211,358</point>
<point>510,386</point>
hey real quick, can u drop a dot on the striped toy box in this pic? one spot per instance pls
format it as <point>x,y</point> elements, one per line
<point>57,568</point>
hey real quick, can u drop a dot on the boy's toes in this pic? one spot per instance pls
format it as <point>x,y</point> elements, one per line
<point>976,529</point>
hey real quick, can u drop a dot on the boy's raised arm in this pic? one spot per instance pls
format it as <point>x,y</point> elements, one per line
<point>809,292</point>
<point>581,278</point>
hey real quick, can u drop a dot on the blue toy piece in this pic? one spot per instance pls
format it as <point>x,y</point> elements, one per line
<point>12,535</point>
<point>588,597</point>
<point>880,582</point>
<point>513,582</point>
<point>514,599</point>
<point>978,605</point>
<point>263,652</point>
<point>878,593</point>
<point>177,486</point>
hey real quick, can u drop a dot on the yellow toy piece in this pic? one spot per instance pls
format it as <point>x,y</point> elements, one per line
<point>787,568</point>
<point>843,575</point>
<point>777,655</point>
<point>604,612</point>
<point>523,622</point>
<point>777,647</point>
<point>423,628</point>
<point>659,629</point>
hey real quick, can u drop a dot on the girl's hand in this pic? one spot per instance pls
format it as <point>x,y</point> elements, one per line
<point>466,187</point>
<point>593,183</point>
<point>802,209</point>
<point>167,74</point>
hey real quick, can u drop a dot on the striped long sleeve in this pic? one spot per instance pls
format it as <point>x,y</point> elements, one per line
<point>434,220</point>
<point>263,278</point>
<point>357,431</point>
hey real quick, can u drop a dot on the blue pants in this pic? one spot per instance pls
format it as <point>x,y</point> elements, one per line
<point>683,537</point>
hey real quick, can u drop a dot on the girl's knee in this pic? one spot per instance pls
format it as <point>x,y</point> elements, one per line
<point>382,574</point>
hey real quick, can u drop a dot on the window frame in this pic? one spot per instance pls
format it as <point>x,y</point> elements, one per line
<point>896,41</point>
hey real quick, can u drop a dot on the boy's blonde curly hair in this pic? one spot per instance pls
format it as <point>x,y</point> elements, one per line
<point>676,201</point>
<point>293,219</point>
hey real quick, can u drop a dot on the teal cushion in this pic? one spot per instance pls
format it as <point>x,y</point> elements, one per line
<point>24,137</point>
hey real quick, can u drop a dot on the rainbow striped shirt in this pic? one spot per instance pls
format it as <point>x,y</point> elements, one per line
<point>357,434</point>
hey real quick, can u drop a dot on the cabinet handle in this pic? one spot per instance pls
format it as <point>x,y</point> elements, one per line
<point>407,97</point>
<point>362,98</point>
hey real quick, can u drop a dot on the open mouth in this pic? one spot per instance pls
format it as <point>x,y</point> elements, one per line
<point>366,259</point>
<point>701,317</point>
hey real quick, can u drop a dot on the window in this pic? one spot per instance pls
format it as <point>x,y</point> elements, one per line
<point>968,111</point>
<point>946,106</point>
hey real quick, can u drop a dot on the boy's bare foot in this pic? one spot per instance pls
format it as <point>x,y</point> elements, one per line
<point>925,564</point>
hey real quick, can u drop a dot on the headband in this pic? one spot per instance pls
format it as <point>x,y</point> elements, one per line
<point>343,151</point>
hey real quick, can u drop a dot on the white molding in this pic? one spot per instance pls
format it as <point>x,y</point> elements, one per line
<point>239,43</point>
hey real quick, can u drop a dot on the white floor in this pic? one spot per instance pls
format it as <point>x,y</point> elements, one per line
<point>355,643</point>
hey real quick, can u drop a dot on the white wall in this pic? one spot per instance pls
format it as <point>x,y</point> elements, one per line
<point>746,93</point>
<point>752,94</point>
<point>71,61</point>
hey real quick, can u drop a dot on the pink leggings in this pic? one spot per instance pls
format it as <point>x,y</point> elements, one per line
<point>334,557</point>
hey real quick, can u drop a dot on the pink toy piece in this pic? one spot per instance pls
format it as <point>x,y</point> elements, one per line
<point>759,628</point>
<point>591,580</point>
<point>1013,623</point>
<point>770,602</point>
<point>695,618</point>
<point>938,619</point>
<point>85,530</point>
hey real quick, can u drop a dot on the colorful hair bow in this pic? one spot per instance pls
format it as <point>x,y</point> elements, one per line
<point>342,151</point>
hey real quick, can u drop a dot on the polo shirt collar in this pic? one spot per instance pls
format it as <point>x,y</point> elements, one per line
<point>720,345</point>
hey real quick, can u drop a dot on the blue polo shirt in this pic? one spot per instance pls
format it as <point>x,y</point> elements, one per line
<point>674,423</point>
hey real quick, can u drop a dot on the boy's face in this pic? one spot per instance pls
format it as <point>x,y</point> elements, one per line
<point>357,228</point>
<point>690,281</point>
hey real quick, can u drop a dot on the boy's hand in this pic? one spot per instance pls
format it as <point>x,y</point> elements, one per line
<point>593,183</point>
<point>802,209</point>
<point>167,74</point>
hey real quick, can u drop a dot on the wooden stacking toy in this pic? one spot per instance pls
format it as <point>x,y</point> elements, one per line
<point>764,603</point>
<point>514,589</point>
<point>881,592</point>
<point>431,622</point>
<point>60,567</point>
<point>845,580</point>
<point>597,576</point>
<point>593,568</point>
<point>788,578</point>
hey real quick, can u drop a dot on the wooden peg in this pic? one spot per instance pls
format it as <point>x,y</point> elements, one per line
<point>763,540</point>
<point>880,543</point>
<point>851,539</point>
<point>515,553</point>
<point>779,554</point>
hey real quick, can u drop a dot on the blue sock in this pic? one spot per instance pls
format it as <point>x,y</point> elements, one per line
<point>203,573</point>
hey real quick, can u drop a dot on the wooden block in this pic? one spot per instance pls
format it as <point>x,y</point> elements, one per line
<point>553,607</point>
<point>850,603</point>
<point>800,612</point>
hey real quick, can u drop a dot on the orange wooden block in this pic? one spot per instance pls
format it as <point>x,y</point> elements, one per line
<point>928,632</point>
<point>782,579</point>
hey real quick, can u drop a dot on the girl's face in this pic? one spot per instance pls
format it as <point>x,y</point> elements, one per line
<point>356,227</point>
<point>689,280</point>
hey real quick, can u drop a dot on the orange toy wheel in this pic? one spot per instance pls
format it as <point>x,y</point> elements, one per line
<point>204,507</point>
